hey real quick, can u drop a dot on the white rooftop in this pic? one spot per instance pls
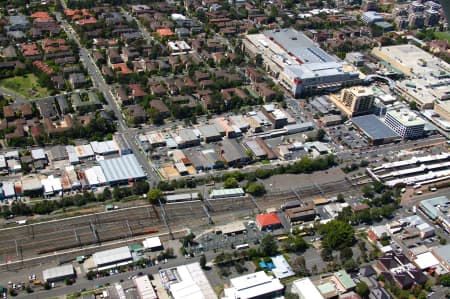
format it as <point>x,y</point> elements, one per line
<point>152,242</point>
<point>253,285</point>
<point>38,154</point>
<point>307,288</point>
<point>426,260</point>
<point>112,256</point>
<point>193,284</point>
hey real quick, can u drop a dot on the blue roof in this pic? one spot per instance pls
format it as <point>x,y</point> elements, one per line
<point>373,127</point>
<point>122,169</point>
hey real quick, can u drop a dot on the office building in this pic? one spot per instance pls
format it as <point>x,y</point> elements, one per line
<point>405,123</point>
<point>354,101</point>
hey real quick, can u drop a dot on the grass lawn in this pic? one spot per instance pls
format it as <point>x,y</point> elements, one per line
<point>26,86</point>
<point>442,36</point>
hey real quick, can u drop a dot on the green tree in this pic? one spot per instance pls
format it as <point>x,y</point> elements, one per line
<point>295,244</point>
<point>230,183</point>
<point>155,195</point>
<point>445,280</point>
<point>269,246</point>
<point>346,253</point>
<point>337,234</point>
<point>340,197</point>
<point>299,266</point>
<point>413,105</point>
<point>107,195</point>
<point>116,193</point>
<point>256,189</point>
<point>362,289</point>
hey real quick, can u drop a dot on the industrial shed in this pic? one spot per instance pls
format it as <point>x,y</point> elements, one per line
<point>122,169</point>
<point>112,258</point>
<point>58,273</point>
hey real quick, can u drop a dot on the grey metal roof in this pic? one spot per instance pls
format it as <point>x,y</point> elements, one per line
<point>373,127</point>
<point>122,169</point>
<point>300,45</point>
<point>58,272</point>
<point>187,135</point>
<point>443,252</point>
<point>209,131</point>
<point>112,256</point>
<point>233,151</point>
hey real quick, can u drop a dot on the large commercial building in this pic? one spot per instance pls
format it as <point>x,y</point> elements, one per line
<point>187,282</point>
<point>305,289</point>
<point>122,169</point>
<point>354,101</point>
<point>300,65</point>
<point>376,131</point>
<point>255,285</point>
<point>144,288</point>
<point>405,123</point>
<point>427,76</point>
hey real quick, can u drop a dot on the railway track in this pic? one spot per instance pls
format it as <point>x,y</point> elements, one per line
<point>80,231</point>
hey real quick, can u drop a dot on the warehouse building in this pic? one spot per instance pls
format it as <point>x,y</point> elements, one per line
<point>301,214</point>
<point>442,253</point>
<point>233,153</point>
<point>186,282</point>
<point>305,289</point>
<point>374,129</point>
<point>255,285</point>
<point>187,138</point>
<point>122,170</point>
<point>432,207</point>
<point>58,273</point>
<point>144,288</point>
<point>298,63</point>
<point>405,123</point>
<point>209,133</point>
<point>104,148</point>
<point>112,258</point>
<point>268,221</point>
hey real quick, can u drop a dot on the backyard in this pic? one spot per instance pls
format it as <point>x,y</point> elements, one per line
<point>442,36</point>
<point>26,85</point>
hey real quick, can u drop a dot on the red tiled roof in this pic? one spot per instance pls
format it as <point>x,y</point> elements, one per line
<point>43,67</point>
<point>163,32</point>
<point>268,219</point>
<point>90,20</point>
<point>41,15</point>
<point>30,50</point>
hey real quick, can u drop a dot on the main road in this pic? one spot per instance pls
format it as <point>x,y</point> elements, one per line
<point>100,83</point>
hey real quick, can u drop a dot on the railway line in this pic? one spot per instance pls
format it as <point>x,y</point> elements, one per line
<point>33,240</point>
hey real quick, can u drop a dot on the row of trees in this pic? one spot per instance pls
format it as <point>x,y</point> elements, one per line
<point>44,207</point>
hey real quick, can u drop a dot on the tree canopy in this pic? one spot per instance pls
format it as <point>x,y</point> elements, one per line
<point>337,234</point>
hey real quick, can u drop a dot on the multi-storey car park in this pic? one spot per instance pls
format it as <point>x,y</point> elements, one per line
<point>299,64</point>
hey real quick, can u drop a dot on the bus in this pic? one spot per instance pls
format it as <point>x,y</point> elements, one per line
<point>242,246</point>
